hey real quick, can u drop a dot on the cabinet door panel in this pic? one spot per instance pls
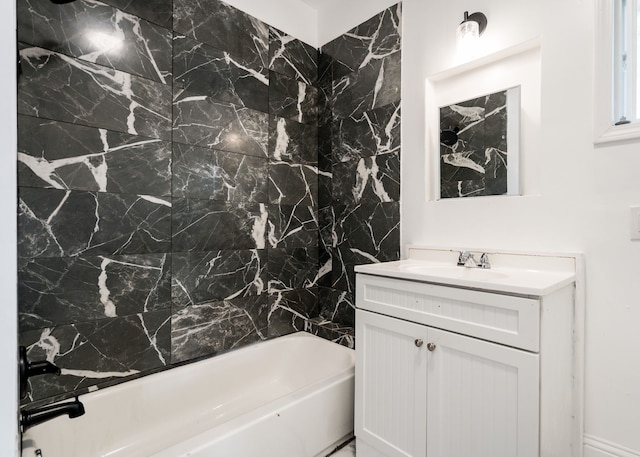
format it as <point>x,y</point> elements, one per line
<point>390,385</point>
<point>482,399</point>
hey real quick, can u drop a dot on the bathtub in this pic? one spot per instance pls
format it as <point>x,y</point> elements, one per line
<point>287,397</point>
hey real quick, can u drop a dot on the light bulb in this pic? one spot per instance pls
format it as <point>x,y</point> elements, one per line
<point>468,34</point>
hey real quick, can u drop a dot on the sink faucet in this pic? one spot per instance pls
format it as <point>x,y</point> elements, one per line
<point>39,415</point>
<point>466,259</point>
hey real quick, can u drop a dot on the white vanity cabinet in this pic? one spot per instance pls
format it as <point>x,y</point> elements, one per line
<point>452,372</point>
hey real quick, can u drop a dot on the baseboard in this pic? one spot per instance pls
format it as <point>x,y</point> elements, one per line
<point>597,447</point>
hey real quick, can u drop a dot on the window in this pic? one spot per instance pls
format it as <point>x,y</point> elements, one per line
<point>625,62</point>
<point>617,91</point>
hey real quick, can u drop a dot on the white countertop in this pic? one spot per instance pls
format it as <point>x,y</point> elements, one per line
<point>518,277</point>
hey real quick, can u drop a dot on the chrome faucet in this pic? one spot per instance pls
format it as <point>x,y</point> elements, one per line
<point>466,259</point>
<point>484,261</point>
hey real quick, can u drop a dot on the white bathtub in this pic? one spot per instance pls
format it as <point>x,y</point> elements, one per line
<point>287,397</point>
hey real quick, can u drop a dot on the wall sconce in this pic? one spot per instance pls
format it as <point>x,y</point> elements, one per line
<point>468,32</point>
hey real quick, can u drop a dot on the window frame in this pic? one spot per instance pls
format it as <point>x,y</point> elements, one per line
<point>605,129</point>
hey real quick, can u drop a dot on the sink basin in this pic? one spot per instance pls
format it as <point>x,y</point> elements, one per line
<point>454,272</point>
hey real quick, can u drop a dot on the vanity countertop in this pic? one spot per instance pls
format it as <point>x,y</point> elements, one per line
<point>523,274</point>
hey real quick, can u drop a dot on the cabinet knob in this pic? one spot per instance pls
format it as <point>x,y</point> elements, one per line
<point>418,342</point>
<point>431,346</point>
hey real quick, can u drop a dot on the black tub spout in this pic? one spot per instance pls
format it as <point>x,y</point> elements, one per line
<point>39,415</point>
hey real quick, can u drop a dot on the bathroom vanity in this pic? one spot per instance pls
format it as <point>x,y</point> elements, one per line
<point>458,362</point>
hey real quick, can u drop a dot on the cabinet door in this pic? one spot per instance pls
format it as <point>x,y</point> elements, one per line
<point>482,398</point>
<point>390,410</point>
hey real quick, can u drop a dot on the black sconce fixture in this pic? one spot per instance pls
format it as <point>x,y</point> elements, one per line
<point>472,22</point>
<point>468,34</point>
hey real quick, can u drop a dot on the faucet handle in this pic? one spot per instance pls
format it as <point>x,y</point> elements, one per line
<point>484,261</point>
<point>463,257</point>
<point>27,369</point>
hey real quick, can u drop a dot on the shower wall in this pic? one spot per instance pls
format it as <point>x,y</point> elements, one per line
<point>359,157</point>
<point>168,185</point>
<point>168,171</point>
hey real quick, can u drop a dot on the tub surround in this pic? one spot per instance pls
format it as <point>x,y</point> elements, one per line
<point>176,179</point>
<point>358,156</point>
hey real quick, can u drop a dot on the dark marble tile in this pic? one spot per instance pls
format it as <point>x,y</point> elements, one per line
<point>370,232</point>
<point>218,175</point>
<point>290,311</point>
<point>325,192</point>
<point>59,87</point>
<point>292,268</point>
<point>292,57</point>
<point>57,223</point>
<point>292,141</point>
<point>374,39</point>
<point>343,335</point>
<point>201,121</point>
<point>363,234</point>
<point>338,306</point>
<point>157,11</point>
<point>209,328</point>
<point>223,27</point>
<point>55,291</point>
<point>98,33</point>
<point>204,70</point>
<point>367,134</point>
<point>208,225</point>
<point>292,226</point>
<point>325,100</point>
<point>199,277</point>
<point>325,147</point>
<point>98,352</point>
<point>327,223</point>
<point>325,261</point>
<point>293,184</point>
<point>375,85</point>
<point>370,179</point>
<point>325,68</point>
<point>67,156</point>
<point>292,99</point>
<point>342,272</point>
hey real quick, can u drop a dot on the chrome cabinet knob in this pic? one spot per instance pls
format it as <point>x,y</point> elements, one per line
<point>431,346</point>
<point>418,342</point>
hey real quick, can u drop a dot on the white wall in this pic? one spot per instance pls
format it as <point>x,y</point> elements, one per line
<point>291,16</point>
<point>577,196</point>
<point>8,307</point>
<point>337,16</point>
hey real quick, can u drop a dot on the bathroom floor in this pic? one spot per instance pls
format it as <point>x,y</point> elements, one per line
<point>348,451</point>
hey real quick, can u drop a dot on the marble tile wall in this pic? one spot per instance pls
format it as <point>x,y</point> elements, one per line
<point>358,157</point>
<point>168,186</point>
<point>192,180</point>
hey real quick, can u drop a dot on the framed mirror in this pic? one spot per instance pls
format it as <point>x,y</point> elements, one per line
<point>480,146</point>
